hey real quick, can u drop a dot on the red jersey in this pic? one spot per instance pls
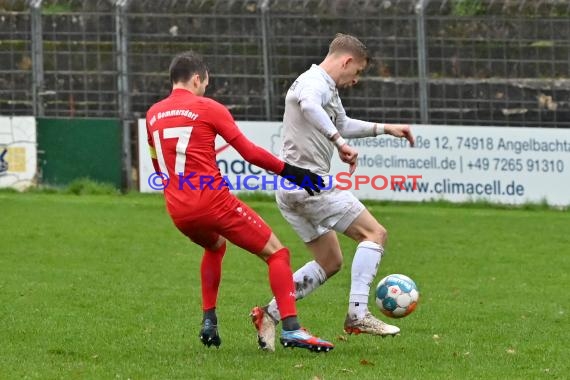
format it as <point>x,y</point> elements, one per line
<point>182,129</point>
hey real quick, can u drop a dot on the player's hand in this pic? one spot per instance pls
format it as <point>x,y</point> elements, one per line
<point>303,177</point>
<point>352,167</point>
<point>400,130</point>
<point>349,155</point>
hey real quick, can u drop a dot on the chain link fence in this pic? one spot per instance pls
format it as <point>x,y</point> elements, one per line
<point>15,61</point>
<point>464,62</point>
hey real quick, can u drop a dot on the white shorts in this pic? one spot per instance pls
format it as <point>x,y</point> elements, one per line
<point>314,216</point>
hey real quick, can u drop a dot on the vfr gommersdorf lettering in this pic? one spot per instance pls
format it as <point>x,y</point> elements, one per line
<point>447,186</point>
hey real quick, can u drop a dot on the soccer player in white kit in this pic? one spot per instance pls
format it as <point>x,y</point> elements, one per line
<point>314,123</point>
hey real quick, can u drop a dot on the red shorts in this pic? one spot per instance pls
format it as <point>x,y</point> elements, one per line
<point>233,220</point>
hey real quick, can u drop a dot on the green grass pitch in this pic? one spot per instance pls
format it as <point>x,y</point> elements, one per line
<point>104,287</point>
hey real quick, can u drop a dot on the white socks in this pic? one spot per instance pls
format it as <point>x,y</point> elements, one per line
<point>306,279</point>
<point>364,268</point>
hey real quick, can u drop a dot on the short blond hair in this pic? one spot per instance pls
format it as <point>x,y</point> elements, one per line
<point>345,43</point>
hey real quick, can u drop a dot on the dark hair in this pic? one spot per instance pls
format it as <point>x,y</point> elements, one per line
<point>345,43</point>
<point>185,65</point>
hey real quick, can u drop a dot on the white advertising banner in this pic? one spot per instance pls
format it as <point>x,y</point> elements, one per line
<point>497,164</point>
<point>18,157</point>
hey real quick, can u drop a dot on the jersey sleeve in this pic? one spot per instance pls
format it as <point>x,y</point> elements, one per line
<point>224,123</point>
<point>256,155</point>
<point>354,128</point>
<point>310,96</point>
<point>226,127</point>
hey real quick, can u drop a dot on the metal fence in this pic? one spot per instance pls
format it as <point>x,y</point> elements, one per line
<point>467,62</point>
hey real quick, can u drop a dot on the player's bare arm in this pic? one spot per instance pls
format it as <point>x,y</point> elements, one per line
<point>400,130</point>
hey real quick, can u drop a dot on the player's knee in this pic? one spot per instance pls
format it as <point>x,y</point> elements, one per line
<point>378,234</point>
<point>273,245</point>
<point>279,255</point>
<point>221,242</point>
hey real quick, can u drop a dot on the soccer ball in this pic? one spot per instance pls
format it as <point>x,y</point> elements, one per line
<point>397,295</point>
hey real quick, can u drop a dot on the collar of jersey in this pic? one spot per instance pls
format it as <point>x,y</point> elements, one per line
<point>325,75</point>
<point>181,91</point>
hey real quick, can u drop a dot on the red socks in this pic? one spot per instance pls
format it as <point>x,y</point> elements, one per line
<point>211,273</point>
<point>281,281</point>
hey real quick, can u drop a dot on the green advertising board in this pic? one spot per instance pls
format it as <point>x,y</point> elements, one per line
<point>69,149</point>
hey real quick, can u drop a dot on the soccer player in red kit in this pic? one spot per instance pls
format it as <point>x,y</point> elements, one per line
<point>181,132</point>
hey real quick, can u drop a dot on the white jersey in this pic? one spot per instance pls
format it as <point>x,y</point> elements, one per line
<point>303,144</point>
